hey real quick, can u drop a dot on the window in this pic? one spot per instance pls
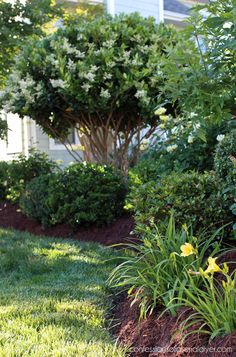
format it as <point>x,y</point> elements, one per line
<point>72,139</point>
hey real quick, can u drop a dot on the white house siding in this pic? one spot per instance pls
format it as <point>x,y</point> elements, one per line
<point>144,7</point>
<point>20,137</point>
<point>60,154</point>
<point>24,135</point>
<point>16,140</point>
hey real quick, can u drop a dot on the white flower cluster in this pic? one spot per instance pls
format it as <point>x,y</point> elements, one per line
<point>196,126</point>
<point>227,25</point>
<point>141,93</point>
<point>126,56</point>
<point>52,60</point>
<point>144,49</point>
<point>69,49</point>
<point>136,62</point>
<point>105,93</point>
<point>107,76</point>
<point>21,88</point>
<point>91,75</point>
<point>111,64</point>
<point>71,65</point>
<point>26,86</point>
<point>86,87</point>
<point>108,43</point>
<point>220,137</point>
<point>191,139</point>
<point>143,96</point>
<point>58,83</point>
<point>171,148</point>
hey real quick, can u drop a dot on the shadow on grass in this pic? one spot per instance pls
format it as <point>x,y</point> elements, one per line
<point>46,282</point>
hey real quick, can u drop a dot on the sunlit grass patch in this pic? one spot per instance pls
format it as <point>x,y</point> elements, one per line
<point>53,297</point>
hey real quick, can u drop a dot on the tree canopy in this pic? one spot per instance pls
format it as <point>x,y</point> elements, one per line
<point>101,76</point>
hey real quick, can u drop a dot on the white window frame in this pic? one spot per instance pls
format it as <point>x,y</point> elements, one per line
<point>54,146</point>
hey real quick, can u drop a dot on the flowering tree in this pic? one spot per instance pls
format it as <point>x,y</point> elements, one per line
<point>100,76</point>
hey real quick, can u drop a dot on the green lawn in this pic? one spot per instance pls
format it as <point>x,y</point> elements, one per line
<point>53,297</point>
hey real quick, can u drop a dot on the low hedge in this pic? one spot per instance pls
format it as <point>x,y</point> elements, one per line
<point>81,194</point>
<point>194,198</point>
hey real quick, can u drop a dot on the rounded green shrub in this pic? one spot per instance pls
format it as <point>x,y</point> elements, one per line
<point>193,197</point>
<point>81,194</point>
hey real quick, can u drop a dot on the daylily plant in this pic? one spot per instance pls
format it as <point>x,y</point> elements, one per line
<point>187,249</point>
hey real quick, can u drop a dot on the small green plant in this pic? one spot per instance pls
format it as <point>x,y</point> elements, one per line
<point>213,302</point>
<point>155,270</point>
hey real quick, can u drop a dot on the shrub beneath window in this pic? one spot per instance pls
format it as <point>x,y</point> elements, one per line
<point>81,194</point>
<point>194,197</point>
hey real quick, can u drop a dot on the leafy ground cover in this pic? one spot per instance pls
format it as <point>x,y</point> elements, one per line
<point>53,297</point>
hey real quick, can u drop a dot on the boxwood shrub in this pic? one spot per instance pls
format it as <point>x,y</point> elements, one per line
<point>81,194</point>
<point>193,197</point>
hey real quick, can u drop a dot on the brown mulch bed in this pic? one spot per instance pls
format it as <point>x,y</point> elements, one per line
<point>159,335</point>
<point>117,232</point>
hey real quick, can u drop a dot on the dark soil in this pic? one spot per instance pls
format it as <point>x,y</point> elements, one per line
<point>117,232</point>
<point>159,335</point>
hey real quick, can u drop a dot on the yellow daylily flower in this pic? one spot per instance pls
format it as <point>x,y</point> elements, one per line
<point>164,117</point>
<point>212,266</point>
<point>187,249</point>
<point>160,111</point>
